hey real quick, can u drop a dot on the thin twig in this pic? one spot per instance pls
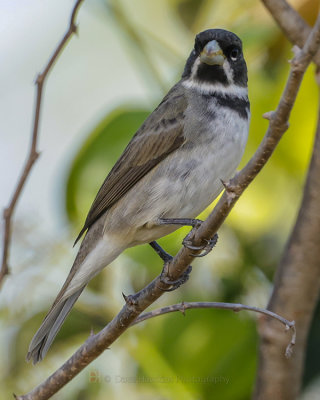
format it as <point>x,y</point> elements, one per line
<point>182,307</point>
<point>33,152</point>
<point>96,344</point>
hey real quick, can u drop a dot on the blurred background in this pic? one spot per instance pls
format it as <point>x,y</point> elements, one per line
<point>109,78</point>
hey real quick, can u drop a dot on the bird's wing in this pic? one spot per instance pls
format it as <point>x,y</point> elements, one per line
<point>159,135</point>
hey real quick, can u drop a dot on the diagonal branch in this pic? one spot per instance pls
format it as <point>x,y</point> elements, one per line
<point>33,152</point>
<point>96,344</point>
<point>297,281</point>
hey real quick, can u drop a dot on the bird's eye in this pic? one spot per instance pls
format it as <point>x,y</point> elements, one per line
<point>234,54</point>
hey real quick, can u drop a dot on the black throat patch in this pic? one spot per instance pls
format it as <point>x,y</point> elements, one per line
<point>211,74</point>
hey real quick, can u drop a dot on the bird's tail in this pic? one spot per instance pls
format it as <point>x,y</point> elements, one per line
<point>91,258</point>
<point>50,327</point>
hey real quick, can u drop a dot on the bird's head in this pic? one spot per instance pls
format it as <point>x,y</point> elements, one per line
<point>217,58</point>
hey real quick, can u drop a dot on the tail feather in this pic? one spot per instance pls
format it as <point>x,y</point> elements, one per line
<point>96,252</point>
<point>49,328</point>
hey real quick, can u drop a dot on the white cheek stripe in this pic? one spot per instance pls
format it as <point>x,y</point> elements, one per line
<point>228,71</point>
<point>195,68</point>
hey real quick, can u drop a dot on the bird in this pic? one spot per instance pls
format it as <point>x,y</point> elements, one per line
<point>172,169</point>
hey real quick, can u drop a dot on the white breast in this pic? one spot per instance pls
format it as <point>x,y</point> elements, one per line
<point>189,179</point>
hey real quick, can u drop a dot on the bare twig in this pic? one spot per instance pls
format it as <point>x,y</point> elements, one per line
<point>291,23</point>
<point>33,152</point>
<point>236,307</point>
<point>96,344</point>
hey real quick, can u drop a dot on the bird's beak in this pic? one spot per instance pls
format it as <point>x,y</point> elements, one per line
<point>212,54</point>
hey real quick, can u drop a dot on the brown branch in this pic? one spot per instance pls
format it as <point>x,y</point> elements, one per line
<point>96,344</point>
<point>292,24</point>
<point>295,294</point>
<point>297,281</point>
<point>33,152</point>
<point>236,307</point>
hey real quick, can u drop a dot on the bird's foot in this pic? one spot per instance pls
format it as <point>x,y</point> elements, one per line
<point>176,283</point>
<point>206,248</point>
<point>188,240</point>
<point>166,257</point>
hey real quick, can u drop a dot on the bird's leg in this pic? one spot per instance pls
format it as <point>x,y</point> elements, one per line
<point>195,223</point>
<point>166,257</point>
<point>187,241</point>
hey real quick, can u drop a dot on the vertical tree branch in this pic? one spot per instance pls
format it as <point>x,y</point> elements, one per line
<point>295,295</point>
<point>33,152</point>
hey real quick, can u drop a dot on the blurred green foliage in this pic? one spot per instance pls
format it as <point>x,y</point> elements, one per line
<point>97,155</point>
<point>208,354</point>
